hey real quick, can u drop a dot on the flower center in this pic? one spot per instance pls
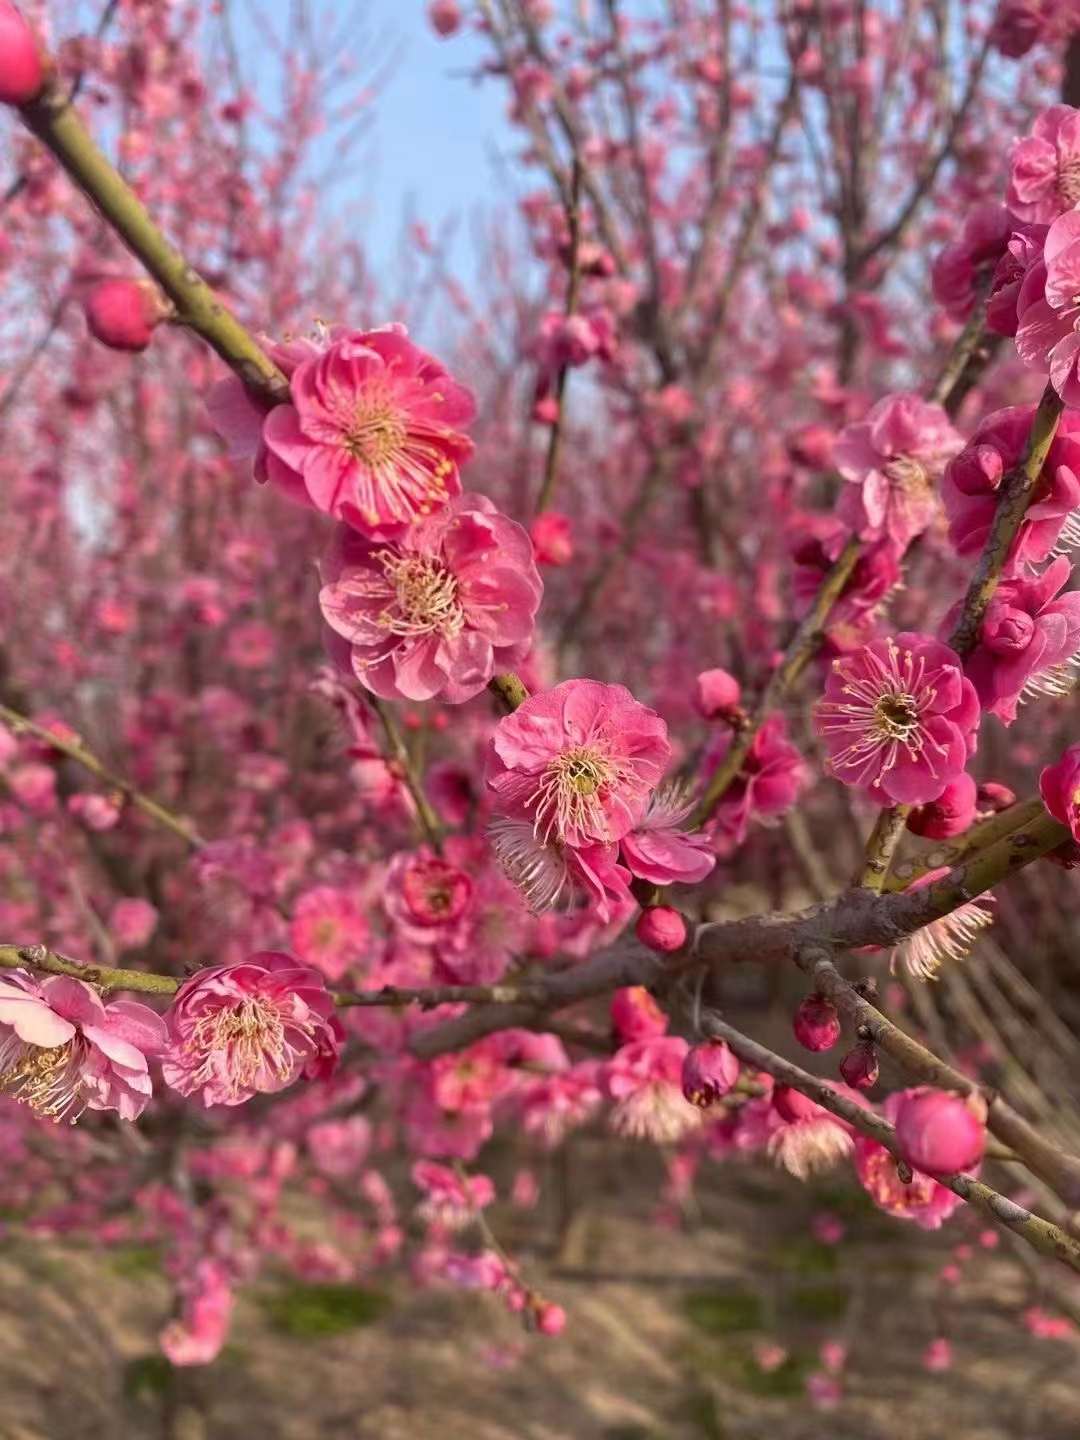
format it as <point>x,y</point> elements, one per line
<point>49,1081</point>
<point>249,1038</point>
<point>897,716</point>
<point>425,597</point>
<point>375,432</point>
<point>1068,182</point>
<point>435,892</point>
<point>569,797</point>
<point>907,474</point>
<point>881,716</point>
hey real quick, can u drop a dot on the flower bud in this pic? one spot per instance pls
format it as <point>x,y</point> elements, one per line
<point>123,313</point>
<point>22,73</point>
<point>552,539</point>
<point>661,928</point>
<point>816,1023</point>
<point>950,814</point>
<point>1007,630</point>
<point>445,17</point>
<point>716,694</point>
<point>859,1067</point>
<point>940,1133</point>
<point>709,1071</point>
<point>550,1319</point>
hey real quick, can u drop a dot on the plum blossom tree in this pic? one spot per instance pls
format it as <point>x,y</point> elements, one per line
<point>393,790</point>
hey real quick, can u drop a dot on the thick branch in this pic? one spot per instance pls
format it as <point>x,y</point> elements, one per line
<point>1046,1238</point>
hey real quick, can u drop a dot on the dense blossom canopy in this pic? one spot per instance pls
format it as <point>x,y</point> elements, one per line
<point>771,369</point>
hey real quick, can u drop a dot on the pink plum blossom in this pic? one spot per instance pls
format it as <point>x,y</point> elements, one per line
<point>659,851</point>
<point>950,814</point>
<point>1028,642</point>
<point>371,433</point>
<point>709,1072</point>
<point>811,1139</point>
<point>196,1336</point>
<point>921,1200</point>
<point>816,1024</point>
<point>338,1148</point>
<point>579,762</point>
<point>328,931</point>
<point>636,1015</point>
<point>63,1050</point>
<point>1059,785</point>
<point>944,941</point>
<point>437,611</point>
<point>973,479</point>
<point>552,538</point>
<point>131,922</point>
<point>22,72</point>
<point>940,1133</point>
<point>1044,167</point>
<point>958,269</point>
<point>892,461</point>
<point>661,928</point>
<point>1018,25</point>
<point>770,780</point>
<point>644,1079</point>
<point>898,719</point>
<point>251,1027</point>
<point>1048,309</point>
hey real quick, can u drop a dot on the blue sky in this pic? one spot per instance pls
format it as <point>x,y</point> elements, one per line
<point>435,130</point>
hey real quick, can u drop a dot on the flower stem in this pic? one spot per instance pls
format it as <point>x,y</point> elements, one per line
<point>75,750</point>
<point>53,119</point>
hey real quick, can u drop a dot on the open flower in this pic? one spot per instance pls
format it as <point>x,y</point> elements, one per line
<point>770,780</point>
<point>63,1050</point>
<point>893,460</point>
<point>250,1028</point>
<point>197,1334</point>
<point>644,1079</point>
<point>810,1139</point>
<point>959,268</point>
<point>1044,167</point>
<point>578,761</point>
<point>659,851</point>
<point>951,938</point>
<point>437,611</point>
<point>898,719</point>
<point>1048,310</point>
<point>371,434</point>
<point>328,930</point>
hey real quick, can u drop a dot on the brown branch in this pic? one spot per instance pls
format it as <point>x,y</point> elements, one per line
<point>75,750</point>
<point>551,464</point>
<point>1048,1239</point>
<point>426,817</point>
<point>852,920</point>
<point>1017,492</point>
<point>802,648</point>
<point>927,177</point>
